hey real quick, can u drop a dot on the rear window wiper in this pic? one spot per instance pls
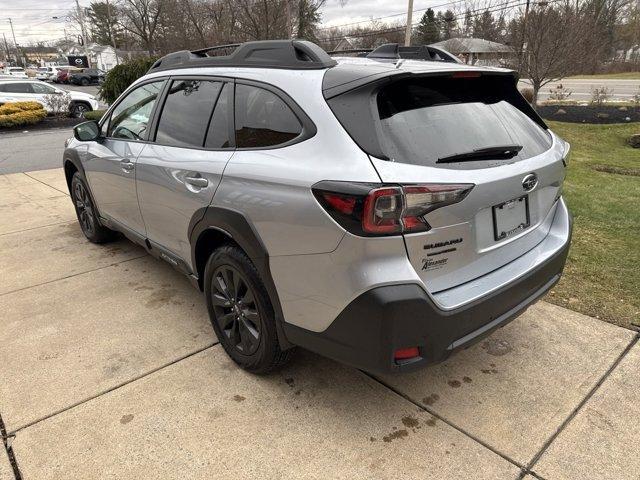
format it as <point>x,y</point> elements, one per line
<point>501,152</point>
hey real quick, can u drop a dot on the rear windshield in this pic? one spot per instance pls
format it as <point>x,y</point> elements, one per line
<point>422,120</point>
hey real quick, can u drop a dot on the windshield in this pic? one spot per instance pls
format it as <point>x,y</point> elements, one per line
<point>423,120</point>
<point>16,69</point>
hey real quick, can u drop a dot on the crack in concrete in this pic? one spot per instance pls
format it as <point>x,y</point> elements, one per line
<point>35,228</point>
<point>447,421</point>
<point>9,449</point>
<point>50,186</point>
<point>115,387</point>
<point>72,275</point>
<point>576,410</point>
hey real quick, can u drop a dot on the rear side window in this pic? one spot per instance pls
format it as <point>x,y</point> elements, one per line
<point>186,112</point>
<point>423,120</point>
<point>263,119</point>
<point>16,88</point>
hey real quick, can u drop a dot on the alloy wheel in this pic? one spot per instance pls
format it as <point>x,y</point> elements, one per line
<point>79,110</point>
<point>84,208</point>
<point>235,309</point>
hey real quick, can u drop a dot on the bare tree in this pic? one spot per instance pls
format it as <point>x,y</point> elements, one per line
<point>141,18</point>
<point>554,44</point>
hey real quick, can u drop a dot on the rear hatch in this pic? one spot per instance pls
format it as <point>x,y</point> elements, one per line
<point>462,127</point>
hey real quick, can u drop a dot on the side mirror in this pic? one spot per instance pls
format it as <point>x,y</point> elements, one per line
<point>87,131</point>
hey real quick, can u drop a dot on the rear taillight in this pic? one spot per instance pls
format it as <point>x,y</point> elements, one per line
<point>371,210</point>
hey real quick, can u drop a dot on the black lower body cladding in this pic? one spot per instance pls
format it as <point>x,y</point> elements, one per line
<point>382,320</point>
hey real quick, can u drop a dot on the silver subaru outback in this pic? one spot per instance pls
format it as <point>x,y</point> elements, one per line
<point>381,211</point>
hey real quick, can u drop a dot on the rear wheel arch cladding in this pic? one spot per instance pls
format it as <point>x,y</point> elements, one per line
<point>222,225</point>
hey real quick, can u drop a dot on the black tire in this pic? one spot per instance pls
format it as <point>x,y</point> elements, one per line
<point>86,213</point>
<point>78,109</point>
<point>242,312</point>
<point>84,82</point>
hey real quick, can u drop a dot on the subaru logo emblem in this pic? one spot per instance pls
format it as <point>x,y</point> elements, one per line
<point>529,182</point>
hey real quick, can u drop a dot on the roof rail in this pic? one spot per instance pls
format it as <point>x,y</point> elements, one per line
<point>289,54</point>
<point>395,51</point>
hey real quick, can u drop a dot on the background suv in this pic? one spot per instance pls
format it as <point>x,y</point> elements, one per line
<point>86,76</point>
<point>384,214</point>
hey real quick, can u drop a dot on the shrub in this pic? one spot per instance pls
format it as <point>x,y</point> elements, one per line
<point>121,76</point>
<point>21,113</point>
<point>527,93</point>
<point>14,107</point>
<point>560,93</point>
<point>600,95</point>
<point>94,114</point>
<point>58,105</point>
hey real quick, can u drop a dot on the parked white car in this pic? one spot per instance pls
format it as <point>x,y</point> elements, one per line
<point>47,74</point>
<point>17,72</point>
<point>35,90</point>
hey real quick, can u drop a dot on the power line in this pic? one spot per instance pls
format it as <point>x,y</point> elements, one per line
<point>509,4</point>
<point>393,15</point>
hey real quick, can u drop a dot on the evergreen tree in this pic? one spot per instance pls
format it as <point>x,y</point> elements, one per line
<point>428,30</point>
<point>484,26</point>
<point>449,25</point>
<point>101,21</point>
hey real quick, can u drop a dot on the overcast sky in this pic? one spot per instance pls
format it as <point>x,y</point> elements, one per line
<point>32,19</point>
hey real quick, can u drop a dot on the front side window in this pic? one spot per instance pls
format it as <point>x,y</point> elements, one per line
<point>186,112</point>
<point>263,119</point>
<point>43,88</point>
<point>130,118</point>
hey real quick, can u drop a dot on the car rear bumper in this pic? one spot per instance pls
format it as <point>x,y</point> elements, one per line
<point>384,319</point>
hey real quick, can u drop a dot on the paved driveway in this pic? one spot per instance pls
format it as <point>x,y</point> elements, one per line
<point>110,369</point>
<point>32,150</point>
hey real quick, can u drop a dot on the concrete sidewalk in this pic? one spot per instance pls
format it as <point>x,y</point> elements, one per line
<point>110,369</point>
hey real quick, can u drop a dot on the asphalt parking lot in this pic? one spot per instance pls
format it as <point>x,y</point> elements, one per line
<point>110,369</point>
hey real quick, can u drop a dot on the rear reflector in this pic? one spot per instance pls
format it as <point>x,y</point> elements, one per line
<point>406,353</point>
<point>466,74</point>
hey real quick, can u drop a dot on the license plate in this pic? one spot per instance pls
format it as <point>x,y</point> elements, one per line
<point>511,218</point>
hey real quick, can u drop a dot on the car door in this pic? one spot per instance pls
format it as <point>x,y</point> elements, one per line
<point>110,163</point>
<point>177,175</point>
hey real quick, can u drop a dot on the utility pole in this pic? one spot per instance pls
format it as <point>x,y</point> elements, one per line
<point>6,47</point>
<point>113,39</point>
<point>288,19</point>
<point>524,31</point>
<point>407,33</point>
<point>82,30</point>
<point>18,59</point>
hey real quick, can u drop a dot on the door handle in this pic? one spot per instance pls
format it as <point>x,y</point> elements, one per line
<point>198,182</point>
<point>127,165</point>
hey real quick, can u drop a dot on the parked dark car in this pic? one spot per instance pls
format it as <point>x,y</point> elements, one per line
<point>63,74</point>
<point>87,76</point>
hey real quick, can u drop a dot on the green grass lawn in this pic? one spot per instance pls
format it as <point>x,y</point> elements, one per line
<point>602,276</point>
<point>616,76</point>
